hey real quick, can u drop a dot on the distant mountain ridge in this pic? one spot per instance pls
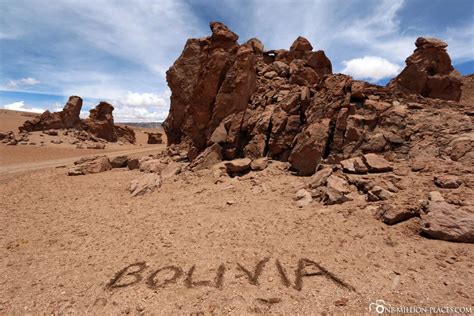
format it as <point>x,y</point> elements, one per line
<point>143,124</point>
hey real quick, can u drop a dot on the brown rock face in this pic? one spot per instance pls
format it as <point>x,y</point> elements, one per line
<point>154,138</point>
<point>227,94</point>
<point>101,122</point>
<point>429,72</point>
<point>67,118</point>
<point>232,101</point>
<point>125,133</point>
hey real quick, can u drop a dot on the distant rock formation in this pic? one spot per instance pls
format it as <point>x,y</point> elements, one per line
<point>99,124</point>
<point>154,137</point>
<point>429,72</point>
<point>67,118</point>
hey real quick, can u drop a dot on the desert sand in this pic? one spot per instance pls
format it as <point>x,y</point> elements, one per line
<point>65,239</point>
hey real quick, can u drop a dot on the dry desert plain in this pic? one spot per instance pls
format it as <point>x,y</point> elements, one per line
<point>198,246</point>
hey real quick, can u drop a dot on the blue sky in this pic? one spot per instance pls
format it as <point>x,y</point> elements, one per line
<point>120,50</point>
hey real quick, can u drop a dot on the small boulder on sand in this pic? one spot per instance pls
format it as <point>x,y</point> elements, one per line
<point>145,184</point>
<point>89,165</point>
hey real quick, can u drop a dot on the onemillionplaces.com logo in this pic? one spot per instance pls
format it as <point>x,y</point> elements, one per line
<point>381,307</point>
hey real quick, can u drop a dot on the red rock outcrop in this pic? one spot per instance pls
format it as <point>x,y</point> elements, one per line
<point>154,138</point>
<point>287,104</point>
<point>429,72</point>
<point>99,124</point>
<point>67,118</point>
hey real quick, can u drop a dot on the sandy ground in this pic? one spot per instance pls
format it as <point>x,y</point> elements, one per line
<point>196,246</point>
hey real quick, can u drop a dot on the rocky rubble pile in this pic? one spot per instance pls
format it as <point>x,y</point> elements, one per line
<point>100,123</point>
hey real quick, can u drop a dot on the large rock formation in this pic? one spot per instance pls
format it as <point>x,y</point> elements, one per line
<point>287,104</point>
<point>67,118</point>
<point>238,96</point>
<point>99,124</point>
<point>429,72</point>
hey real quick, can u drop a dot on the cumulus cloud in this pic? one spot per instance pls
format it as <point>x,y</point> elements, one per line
<point>145,99</point>
<point>21,106</point>
<point>12,84</point>
<point>370,67</point>
<point>139,114</point>
<point>141,107</point>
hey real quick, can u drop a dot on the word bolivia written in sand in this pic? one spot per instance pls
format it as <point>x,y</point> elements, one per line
<point>163,276</point>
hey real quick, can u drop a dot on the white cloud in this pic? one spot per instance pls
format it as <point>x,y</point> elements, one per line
<point>139,114</point>
<point>145,99</point>
<point>20,106</point>
<point>12,84</point>
<point>141,107</point>
<point>370,67</point>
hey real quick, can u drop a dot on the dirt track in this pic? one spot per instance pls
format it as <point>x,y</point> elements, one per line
<point>38,165</point>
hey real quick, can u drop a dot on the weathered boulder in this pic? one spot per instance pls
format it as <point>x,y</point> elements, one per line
<point>101,122</point>
<point>302,198</point>
<point>171,170</point>
<point>354,165</point>
<point>67,118</point>
<point>337,191</point>
<point>154,137</point>
<point>392,214</point>
<point>309,148</point>
<point>448,222</point>
<point>378,193</point>
<point>301,44</point>
<point>90,165</point>
<point>119,162</point>
<point>145,184</point>
<point>210,156</point>
<point>133,164</point>
<point>303,75</point>
<point>259,164</point>
<point>238,165</point>
<point>320,178</point>
<point>376,163</point>
<point>429,72</point>
<point>447,182</point>
<point>125,134</point>
<point>152,165</point>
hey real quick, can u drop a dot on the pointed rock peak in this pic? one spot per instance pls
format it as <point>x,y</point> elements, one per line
<point>256,45</point>
<point>221,32</point>
<point>73,105</point>
<point>427,42</point>
<point>101,111</point>
<point>301,44</point>
<point>429,72</point>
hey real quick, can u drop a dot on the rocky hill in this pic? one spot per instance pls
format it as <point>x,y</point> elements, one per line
<point>288,105</point>
<point>233,105</point>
